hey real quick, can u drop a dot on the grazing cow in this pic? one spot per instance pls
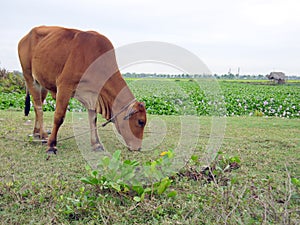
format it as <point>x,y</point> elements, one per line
<point>73,63</point>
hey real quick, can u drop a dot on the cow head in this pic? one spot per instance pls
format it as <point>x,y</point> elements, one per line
<point>130,124</point>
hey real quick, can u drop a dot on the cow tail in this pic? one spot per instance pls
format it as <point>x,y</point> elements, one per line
<point>27,103</point>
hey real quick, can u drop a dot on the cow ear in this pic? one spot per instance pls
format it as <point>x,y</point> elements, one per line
<point>141,105</point>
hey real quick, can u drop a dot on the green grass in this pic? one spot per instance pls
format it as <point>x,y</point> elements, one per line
<point>36,191</point>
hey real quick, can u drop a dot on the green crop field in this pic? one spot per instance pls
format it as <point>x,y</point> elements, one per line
<point>184,96</point>
<point>177,97</point>
<point>253,179</point>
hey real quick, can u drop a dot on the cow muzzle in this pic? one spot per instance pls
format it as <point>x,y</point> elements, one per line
<point>135,149</point>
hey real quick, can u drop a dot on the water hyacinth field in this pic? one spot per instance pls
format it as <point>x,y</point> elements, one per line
<point>175,97</point>
<point>191,97</point>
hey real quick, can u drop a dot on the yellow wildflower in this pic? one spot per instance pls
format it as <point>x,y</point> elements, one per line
<point>163,153</point>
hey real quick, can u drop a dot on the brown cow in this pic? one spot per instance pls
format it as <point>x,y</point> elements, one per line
<point>73,63</point>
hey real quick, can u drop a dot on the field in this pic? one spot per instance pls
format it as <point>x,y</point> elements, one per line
<point>205,97</point>
<point>254,178</point>
<point>231,98</point>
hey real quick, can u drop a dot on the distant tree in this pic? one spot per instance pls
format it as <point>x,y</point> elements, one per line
<point>3,73</point>
<point>261,77</point>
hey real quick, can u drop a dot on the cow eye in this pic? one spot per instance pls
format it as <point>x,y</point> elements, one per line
<point>141,123</point>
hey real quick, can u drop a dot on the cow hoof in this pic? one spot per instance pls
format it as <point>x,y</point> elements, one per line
<point>52,150</point>
<point>97,148</point>
<point>43,138</point>
<point>36,135</point>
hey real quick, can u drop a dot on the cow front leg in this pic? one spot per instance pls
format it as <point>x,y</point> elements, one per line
<point>95,143</point>
<point>62,100</point>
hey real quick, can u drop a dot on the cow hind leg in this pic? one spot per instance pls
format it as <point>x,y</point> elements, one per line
<point>38,93</point>
<point>62,99</point>
<point>39,122</point>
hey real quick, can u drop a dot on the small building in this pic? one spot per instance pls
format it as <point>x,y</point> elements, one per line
<point>277,77</point>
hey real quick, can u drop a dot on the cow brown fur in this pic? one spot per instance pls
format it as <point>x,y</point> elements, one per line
<point>81,64</point>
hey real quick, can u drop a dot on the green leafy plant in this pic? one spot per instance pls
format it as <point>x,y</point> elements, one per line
<point>79,205</point>
<point>119,176</point>
<point>295,182</point>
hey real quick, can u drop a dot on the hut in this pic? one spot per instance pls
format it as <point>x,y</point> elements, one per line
<point>277,77</point>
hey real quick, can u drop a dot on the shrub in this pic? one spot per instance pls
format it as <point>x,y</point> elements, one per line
<point>11,82</point>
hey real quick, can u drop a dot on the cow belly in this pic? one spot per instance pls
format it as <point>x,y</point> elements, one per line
<point>47,82</point>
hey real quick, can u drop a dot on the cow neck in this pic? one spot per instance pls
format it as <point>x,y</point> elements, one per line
<point>123,98</point>
<point>117,98</point>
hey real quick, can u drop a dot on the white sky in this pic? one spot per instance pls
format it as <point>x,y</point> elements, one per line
<point>257,36</point>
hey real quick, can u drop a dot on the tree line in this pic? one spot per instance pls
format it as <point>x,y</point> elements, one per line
<point>189,76</point>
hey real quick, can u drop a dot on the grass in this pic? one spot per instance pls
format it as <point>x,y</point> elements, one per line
<point>36,191</point>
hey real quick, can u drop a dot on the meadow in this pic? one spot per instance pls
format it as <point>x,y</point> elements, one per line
<point>253,179</point>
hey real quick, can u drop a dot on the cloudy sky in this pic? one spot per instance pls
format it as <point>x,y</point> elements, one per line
<point>259,36</point>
